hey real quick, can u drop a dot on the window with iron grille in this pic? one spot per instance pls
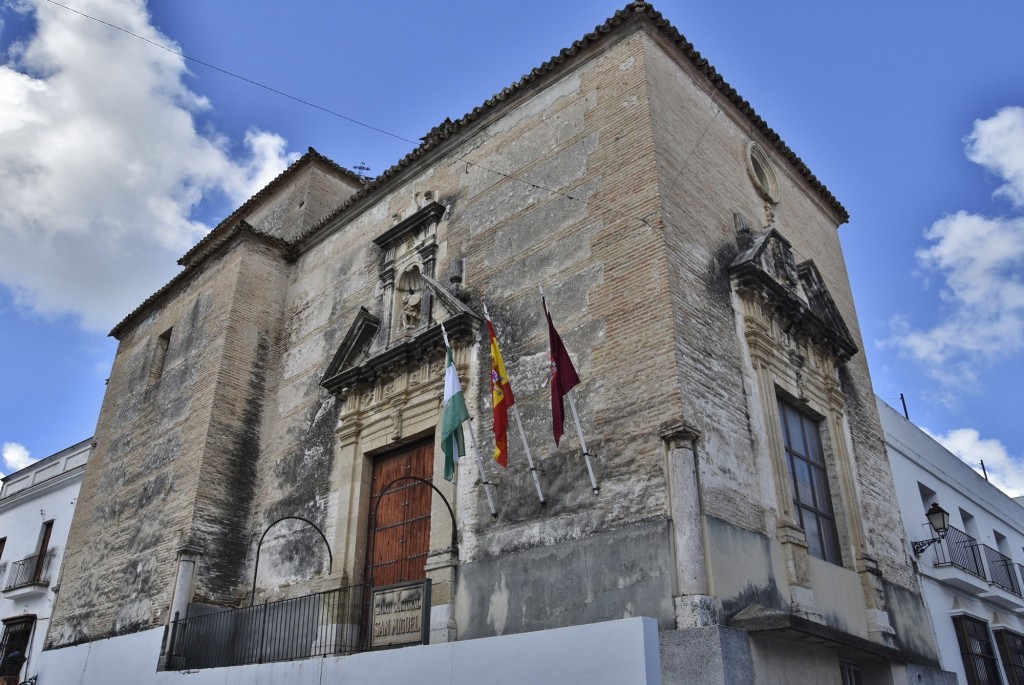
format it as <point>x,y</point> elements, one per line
<point>977,650</point>
<point>809,479</point>
<point>1011,651</point>
<point>14,648</point>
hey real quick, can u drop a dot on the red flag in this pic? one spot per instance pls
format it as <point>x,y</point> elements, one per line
<point>501,399</point>
<point>563,376</point>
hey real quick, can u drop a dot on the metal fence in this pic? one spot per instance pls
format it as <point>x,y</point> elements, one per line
<point>30,571</point>
<point>1000,568</point>
<point>961,550</point>
<point>315,625</point>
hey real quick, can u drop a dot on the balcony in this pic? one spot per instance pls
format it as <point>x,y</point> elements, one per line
<point>1000,568</point>
<point>1004,587</point>
<point>960,550</point>
<point>28,576</point>
<point>960,561</point>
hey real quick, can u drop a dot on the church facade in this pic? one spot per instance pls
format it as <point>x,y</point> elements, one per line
<point>265,406</point>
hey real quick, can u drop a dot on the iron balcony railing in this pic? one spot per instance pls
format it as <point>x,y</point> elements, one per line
<point>961,550</point>
<point>34,570</point>
<point>1000,569</point>
<point>315,625</point>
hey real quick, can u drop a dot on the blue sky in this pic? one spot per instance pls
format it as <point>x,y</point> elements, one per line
<point>115,156</point>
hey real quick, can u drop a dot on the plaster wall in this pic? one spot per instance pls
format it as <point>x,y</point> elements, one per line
<point>924,471</point>
<point>611,653</point>
<point>621,573</point>
<point>50,496</point>
<point>775,661</point>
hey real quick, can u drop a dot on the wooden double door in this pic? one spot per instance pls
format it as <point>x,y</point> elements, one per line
<point>399,532</point>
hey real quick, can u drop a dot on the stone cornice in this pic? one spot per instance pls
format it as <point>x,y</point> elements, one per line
<point>70,477</point>
<point>462,327</point>
<point>211,250</point>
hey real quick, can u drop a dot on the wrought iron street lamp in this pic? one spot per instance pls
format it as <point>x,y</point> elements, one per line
<point>938,519</point>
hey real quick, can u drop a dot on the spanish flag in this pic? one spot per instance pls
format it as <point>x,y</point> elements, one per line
<point>501,398</point>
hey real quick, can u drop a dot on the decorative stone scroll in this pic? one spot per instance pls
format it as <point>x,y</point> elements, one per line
<point>766,269</point>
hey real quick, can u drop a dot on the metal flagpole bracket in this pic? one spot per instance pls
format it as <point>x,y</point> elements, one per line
<point>583,443</point>
<point>529,456</point>
<point>483,473</point>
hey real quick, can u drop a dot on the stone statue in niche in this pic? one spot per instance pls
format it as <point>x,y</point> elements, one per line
<point>783,264</point>
<point>410,318</point>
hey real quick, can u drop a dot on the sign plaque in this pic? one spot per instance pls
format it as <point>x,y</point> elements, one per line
<point>400,615</point>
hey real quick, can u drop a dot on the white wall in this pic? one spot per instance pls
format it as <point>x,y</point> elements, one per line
<point>611,653</point>
<point>916,459</point>
<point>42,492</point>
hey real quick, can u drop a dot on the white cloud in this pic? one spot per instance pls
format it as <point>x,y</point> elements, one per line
<point>101,163</point>
<point>1005,472</point>
<point>980,261</point>
<point>997,143</point>
<point>16,456</point>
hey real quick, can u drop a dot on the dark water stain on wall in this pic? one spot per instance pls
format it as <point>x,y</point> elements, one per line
<point>303,479</point>
<point>223,567</point>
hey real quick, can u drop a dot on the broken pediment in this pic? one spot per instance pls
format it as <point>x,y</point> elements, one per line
<point>796,292</point>
<point>355,346</point>
<point>365,355</point>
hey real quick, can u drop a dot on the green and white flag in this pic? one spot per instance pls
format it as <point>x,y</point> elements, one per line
<point>454,413</point>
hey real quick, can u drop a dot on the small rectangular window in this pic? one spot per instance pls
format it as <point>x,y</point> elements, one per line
<point>3,543</point>
<point>156,368</point>
<point>811,495</point>
<point>977,651</point>
<point>852,673</point>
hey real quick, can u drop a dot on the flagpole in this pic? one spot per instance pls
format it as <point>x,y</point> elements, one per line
<point>572,401</point>
<point>583,443</point>
<point>472,439</point>
<point>529,456</point>
<point>483,474</point>
<point>522,437</point>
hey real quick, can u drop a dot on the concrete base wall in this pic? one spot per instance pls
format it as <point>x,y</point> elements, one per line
<point>624,651</point>
<point>615,574</point>
<point>706,656</point>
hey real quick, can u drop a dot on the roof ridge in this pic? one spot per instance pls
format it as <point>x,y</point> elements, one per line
<point>215,243</point>
<point>309,157</point>
<point>447,128</point>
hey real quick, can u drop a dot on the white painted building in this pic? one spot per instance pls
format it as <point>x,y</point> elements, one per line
<point>36,506</point>
<point>972,579</point>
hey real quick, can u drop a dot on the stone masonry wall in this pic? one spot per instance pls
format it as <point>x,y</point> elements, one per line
<point>613,185</point>
<point>300,203</point>
<point>227,477</point>
<point>137,496</point>
<point>701,142</point>
<point>586,135</point>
